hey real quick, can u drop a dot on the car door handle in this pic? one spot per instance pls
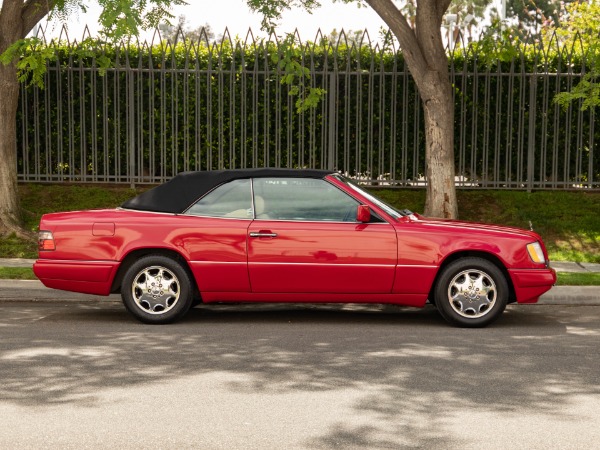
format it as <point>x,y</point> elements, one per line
<point>263,234</point>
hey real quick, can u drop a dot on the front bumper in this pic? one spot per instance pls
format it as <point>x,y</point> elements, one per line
<point>529,284</point>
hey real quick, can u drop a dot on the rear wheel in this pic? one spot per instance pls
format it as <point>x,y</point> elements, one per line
<point>471,292</point>
<point>157,289</point>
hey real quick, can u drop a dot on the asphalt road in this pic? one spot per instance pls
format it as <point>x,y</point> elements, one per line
<point>86,375</point>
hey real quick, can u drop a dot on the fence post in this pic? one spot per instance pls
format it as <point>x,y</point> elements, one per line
<point>531,132</point>
<point>131,124</point>
<point>331,122</point>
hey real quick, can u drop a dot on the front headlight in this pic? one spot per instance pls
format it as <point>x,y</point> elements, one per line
<point>535,252</point>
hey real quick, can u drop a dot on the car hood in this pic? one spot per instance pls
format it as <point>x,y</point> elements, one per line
<point>474,226</point>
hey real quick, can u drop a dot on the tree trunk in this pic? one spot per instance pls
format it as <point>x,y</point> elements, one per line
<point>11,28</point>
<point>9,200</point>
<point>439,146</point>
<point>17,18</point>
<point>423,50</point>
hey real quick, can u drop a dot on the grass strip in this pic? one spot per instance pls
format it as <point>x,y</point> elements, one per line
<point>17,273</point>
<point>578,279</point>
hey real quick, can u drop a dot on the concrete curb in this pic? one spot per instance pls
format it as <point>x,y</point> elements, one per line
<point>35,291</point>
<point>16,262</point>
<point>566,266</point>
<point>571,295</point>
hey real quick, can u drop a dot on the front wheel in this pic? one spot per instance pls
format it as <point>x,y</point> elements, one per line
<point>471,292</point>
<point>157,289</point>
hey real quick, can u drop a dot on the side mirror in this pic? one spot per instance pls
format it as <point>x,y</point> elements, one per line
<point>363,214</point>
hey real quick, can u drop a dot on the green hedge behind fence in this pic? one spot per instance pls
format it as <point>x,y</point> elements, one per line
<point>164,109</point>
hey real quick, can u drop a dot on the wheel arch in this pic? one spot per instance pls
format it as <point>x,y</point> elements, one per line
<point>134,255</point>
<point>478,254</point>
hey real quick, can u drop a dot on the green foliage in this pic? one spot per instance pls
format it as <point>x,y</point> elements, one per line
<point>37,199</point>
<point>497,45</point>
<point>123,18</point>
<point>14,247</point>
<point>296,75</point>
<point>587,91</point>
<point>32,57</point>
<point>579,31</point>
<point>575,43</point>
<point>579,25</point>
<point>271,10</point>
<point>119,19</point>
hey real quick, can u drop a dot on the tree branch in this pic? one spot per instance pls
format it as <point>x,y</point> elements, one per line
<point>33,11</point>
<point>442,7</point>
<point>397,22</point>
<point>428,25</point>
<point>9,23</point>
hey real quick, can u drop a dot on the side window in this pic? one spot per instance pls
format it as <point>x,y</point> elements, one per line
<point>302,199</point>
<point>233,199</point>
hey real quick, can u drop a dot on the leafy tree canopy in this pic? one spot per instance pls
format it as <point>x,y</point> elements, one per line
<point>119,18</point>
<point>580,32</point>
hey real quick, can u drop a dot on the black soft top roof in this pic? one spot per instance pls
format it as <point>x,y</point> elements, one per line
<point>176,195</point>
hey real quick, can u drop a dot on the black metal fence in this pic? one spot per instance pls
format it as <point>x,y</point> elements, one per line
<point>162,109</point>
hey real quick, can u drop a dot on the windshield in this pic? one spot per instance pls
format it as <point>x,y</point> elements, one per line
<point>395,213</point>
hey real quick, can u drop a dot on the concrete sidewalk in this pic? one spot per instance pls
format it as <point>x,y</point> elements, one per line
<point>564,266</point>
<point>35,291</point>
<point>16,262</point>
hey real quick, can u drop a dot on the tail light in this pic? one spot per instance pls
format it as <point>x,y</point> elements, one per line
<point>46,241</point>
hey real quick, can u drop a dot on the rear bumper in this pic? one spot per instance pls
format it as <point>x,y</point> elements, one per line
<point>88,277</point>
<point>529,284</point>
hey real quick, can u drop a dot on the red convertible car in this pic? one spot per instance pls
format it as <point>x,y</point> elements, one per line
<point>283,235</point>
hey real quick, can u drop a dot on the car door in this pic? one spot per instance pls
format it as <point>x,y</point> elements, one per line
<point>305,238</point>
<point>213,232</point>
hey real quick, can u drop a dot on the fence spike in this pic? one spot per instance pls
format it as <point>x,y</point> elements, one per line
<point>155,37</point>
<point>226,38</point>
<point>86,34</point>
<point>362,38</point>
<point>297,37</point>
<point>250,36</point>
<point>203,37</point>
<point>41,33</point>
<point>344,36</point>
<point>389,39</point>
<point>64,32</point>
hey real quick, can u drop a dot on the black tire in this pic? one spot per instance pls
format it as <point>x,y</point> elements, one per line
<point>167,292</point>
<point>471,292</point>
